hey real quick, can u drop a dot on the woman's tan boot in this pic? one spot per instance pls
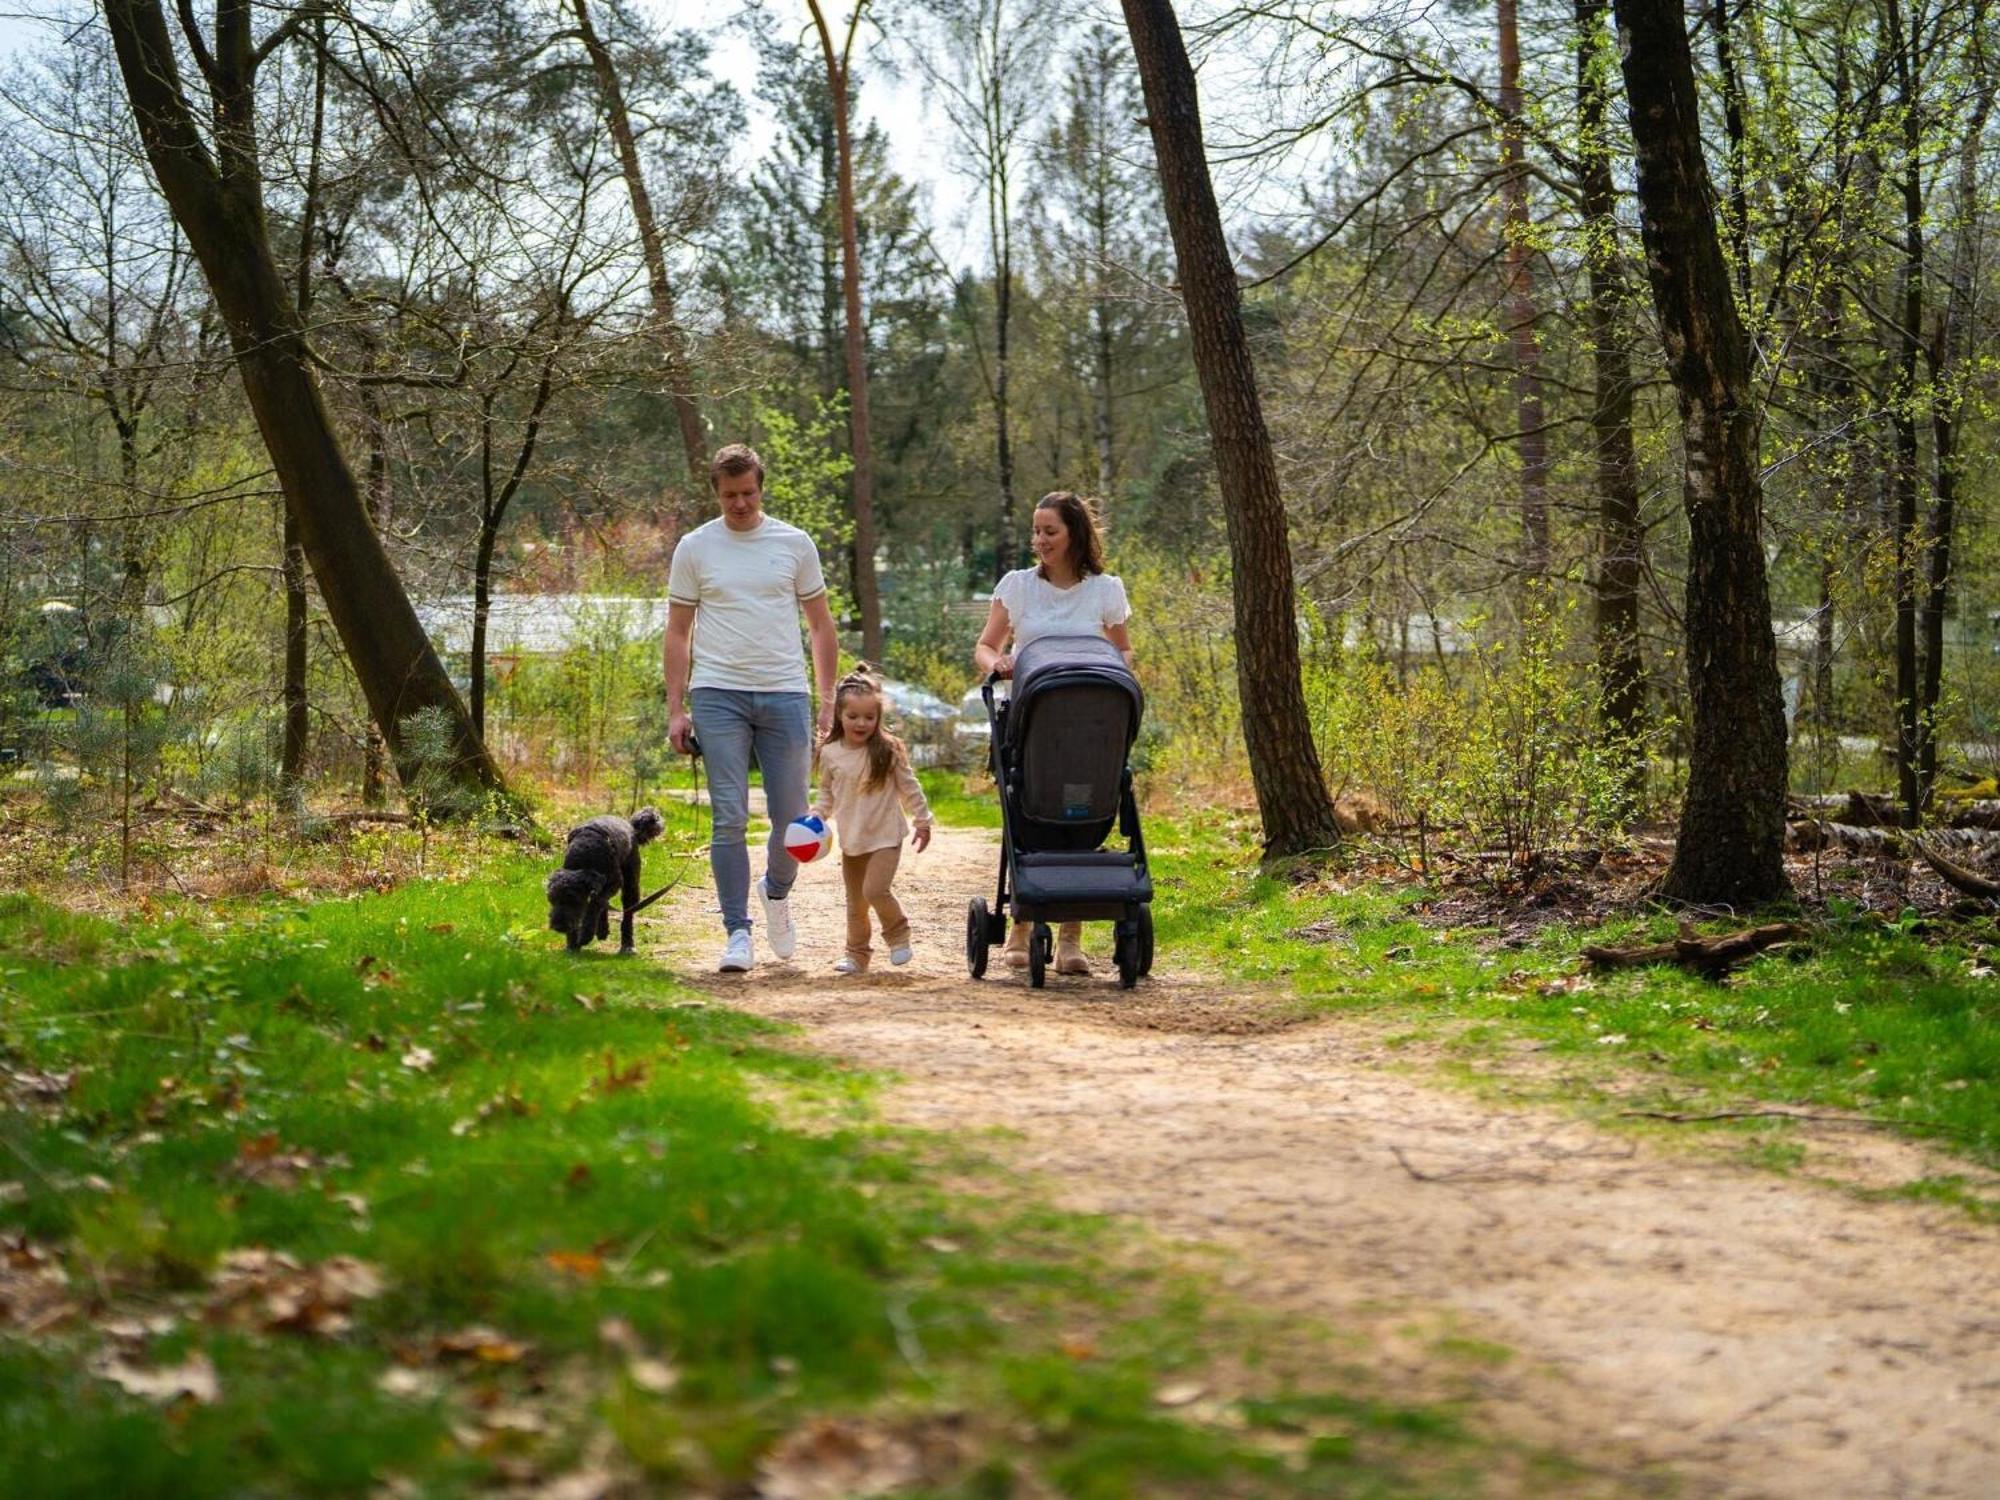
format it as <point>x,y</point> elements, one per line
<point>1069,950</point>
<point>1016,952</point>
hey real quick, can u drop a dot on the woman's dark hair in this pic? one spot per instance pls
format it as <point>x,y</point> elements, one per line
<point>1086,542</point>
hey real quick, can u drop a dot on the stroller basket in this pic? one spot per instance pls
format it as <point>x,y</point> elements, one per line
<point>1060,745</point>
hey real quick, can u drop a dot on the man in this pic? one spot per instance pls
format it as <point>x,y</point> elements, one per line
<point>734,596</point>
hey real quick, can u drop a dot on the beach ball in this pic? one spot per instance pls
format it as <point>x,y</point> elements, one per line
<point>805,839</point>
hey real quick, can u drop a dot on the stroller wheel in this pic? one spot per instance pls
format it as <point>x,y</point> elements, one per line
<point>1041,948</point>
<point>976,943</point>
<point>1145,940</point>
<point>1125,954</point>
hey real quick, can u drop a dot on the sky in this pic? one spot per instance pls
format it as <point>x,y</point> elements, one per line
<point>916,131</point>
<point>919,138</point>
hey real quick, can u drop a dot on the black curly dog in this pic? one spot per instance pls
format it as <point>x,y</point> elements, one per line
<point>602,857</point>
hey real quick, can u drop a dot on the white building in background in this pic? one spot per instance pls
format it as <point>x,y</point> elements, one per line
<point>522,625</point>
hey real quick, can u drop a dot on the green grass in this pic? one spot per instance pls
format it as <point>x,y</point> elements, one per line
<point>1884,1018</point>
<point>961,798</point>
<point>532,1144</point>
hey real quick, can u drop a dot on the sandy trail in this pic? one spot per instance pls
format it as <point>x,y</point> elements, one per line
<point>1756,1335</point>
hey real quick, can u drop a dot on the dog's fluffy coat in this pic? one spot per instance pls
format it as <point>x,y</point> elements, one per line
<point>602,857</point>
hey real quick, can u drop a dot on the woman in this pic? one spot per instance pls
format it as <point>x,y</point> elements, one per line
<point>1067,592</point>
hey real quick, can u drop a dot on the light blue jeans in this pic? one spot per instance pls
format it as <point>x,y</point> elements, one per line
<point>779,728</point>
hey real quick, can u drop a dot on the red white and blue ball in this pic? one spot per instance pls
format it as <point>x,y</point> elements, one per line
<point>806,839</point>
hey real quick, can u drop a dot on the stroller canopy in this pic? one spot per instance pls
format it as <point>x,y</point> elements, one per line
<point>1071,721</point>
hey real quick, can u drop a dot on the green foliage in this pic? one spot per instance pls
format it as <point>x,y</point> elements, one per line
<point>1506,747</point>
<point>806,467</point>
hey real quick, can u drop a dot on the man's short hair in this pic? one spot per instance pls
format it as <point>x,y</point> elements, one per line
<point>737,458</point>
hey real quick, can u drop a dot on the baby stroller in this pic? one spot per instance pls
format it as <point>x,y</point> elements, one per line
<point>1059,746</point>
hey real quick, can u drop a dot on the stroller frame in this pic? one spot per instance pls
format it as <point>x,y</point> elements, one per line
<point>1068,875</point>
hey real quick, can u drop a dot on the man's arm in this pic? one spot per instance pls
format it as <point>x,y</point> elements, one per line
<point>676,653</point>
<point>825,654</point>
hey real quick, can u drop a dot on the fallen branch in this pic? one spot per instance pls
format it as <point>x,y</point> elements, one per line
<point>1958,876</point>
<point>1707,955</point>
<point>1674,1117</point>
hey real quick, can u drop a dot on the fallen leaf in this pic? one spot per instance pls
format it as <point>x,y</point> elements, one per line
<point>1078,1348</point>
<point>942,1245</point>
<point>487,1345</point>
<point>1180,1393</point>
<point>620,1335</point>
<point>655,1376</point>
<point>194,1378</point>
<point>410,1385</point>
<point>262,1159</point>
<point>442,929</point>
<point>579,1263</point>
<point>616,1078</point>
<point>836,1459</point>
<point>419,1059</point>
<point>583,1484</point>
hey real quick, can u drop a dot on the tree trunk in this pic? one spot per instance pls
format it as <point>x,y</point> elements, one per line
<point>298,724</point>
<point>1292,798</point>
<point>1732,834</point>
<point>1738,215</point>
<point>1952,349</point>
<point>666,325</point>
<point>1621,533</point>
<point>1007,538</point>
<point>1903,424</point>
<point>218,201</point>
<point>1533,443</point>
<point>867,598</point>
<point>374,754</point>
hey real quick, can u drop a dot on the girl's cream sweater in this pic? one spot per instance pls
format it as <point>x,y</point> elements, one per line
<point>868,818</point>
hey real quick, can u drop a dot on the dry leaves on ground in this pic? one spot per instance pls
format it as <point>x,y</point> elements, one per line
<point>34,1287</point>
<point>836,1459</point>
<point>269,1290</point>
<point>193,1378</point>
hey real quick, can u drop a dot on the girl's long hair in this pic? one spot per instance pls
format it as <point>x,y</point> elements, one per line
<point>885,751</point>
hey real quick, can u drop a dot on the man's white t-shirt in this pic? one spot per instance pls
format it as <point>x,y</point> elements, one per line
<point>1035,607</point>
<point>746,587</point>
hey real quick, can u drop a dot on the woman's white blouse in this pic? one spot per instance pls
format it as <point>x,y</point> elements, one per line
<point>1035,607</point>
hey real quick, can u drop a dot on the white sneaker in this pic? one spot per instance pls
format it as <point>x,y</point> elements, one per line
<point>736,954</point>
<point>848,966</point>
<point>900,956</point>
<point>779,932</point>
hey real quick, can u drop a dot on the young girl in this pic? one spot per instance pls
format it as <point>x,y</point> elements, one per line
<point>866,785</point>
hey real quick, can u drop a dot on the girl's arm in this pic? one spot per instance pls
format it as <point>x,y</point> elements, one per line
<point>822,805</point>
<point>987,655</point>
<point>911,791</point>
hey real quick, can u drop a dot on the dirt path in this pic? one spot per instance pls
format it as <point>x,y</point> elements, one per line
<point>1756,1335</point>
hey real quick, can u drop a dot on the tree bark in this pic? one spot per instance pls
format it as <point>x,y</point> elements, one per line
<point>867,597</point>
<point>1292,798</point>
<point>666,324</point>
<point>1952,349</point>
<point>217,198</point>
<point>1730,849</point>
<point>298,722</point>
<point>1621,533</point>
<point>1533,443</point>
<point>1904,478</point>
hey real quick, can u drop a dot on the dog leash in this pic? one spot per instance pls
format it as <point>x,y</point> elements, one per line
<point>694,779</point>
